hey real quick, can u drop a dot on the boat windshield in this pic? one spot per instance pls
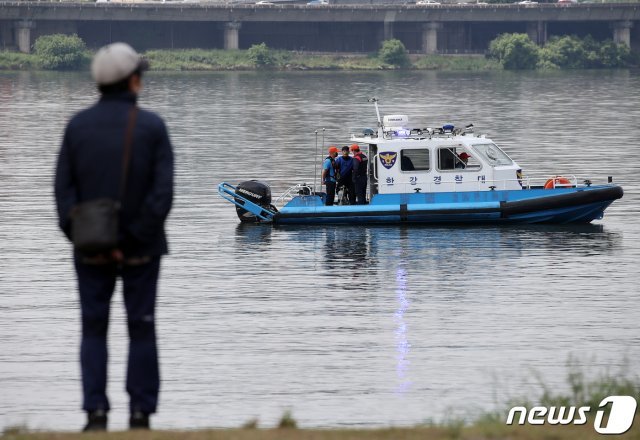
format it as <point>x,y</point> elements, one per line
<point>493,154</point>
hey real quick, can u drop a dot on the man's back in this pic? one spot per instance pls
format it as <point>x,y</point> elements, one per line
<point>346,166</point>
<point>91,164</point>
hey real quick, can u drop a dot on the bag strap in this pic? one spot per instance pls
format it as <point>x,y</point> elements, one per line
<point>126,154</point>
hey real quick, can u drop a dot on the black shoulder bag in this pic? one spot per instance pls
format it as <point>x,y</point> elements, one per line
<point>94,224</point>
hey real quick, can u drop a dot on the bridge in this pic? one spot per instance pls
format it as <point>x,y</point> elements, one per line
<point>446,28</point>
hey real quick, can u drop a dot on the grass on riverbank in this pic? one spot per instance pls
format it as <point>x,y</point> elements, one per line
<point>479,431</point>
<point>198,59</point>
<point>221,60</point>
<point>581,391</point>
<point>18,61</point>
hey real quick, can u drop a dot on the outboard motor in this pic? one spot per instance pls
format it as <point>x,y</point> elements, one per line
<point>256,192</point>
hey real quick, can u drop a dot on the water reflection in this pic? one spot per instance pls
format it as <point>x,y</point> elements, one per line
<point>402,339</point>
<point>255,236</point>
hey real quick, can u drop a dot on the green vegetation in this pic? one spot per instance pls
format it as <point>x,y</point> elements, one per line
<point>61,52</point>
<point>518,52</point>
<point>394,53</point>
<point>585,391</point>
<point>508,51</point>
<point>198,59</point>
<point>287,421</point>
<point>515,51</point>
<point>485,430</point>
<point>261,56</point>
<point>17,61</point>
<point>570,52</point>
<point>456,62</point>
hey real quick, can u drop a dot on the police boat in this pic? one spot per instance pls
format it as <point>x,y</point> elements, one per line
<point>441,175</point>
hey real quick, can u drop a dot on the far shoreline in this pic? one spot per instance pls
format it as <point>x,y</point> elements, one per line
<point>199,60</point>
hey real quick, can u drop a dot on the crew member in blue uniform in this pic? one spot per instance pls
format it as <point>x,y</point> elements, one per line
<point>345,162</point>
<point>89,167</point>
<point>360,170</point>
<point>330,172</point>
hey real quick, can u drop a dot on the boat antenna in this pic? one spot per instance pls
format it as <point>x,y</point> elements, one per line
<point>375,103</point>
<point>323,149</point>
<point>315,168</point>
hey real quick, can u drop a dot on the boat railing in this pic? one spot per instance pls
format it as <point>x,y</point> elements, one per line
<point>558,181</point>
<point>291,192</point>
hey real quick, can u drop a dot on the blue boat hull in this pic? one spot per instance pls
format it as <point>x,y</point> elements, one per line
<point>559,206</point>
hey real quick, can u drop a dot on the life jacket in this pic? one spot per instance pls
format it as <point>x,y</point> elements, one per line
<point>362,166</point>
<point>336,170</point>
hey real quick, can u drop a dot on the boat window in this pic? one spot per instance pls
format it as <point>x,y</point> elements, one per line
<point>414,160</point>
<point>493,154</point>
<point>457,158</point>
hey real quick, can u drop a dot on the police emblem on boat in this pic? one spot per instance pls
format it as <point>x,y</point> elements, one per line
<point>388,159</point>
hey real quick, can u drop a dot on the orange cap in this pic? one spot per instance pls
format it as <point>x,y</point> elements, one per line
<point>333,150</point>
<point>355,147</point>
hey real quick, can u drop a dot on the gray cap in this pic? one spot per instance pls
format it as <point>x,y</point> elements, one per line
<point>116,62</point>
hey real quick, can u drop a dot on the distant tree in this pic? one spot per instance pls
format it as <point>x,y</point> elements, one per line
<point>611,54</point>
<point>393,52</point>
<point>61,52</point>
<point>515,51</point>
<point>261,56</point>
<point>567,52</point>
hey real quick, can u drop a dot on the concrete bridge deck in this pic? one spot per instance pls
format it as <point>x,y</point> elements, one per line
<point>433,28</point>
<point>191,11</point>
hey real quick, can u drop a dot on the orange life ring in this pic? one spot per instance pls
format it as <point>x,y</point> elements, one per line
<point>557,181</point>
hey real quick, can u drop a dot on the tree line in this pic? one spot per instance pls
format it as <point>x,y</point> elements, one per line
<point>510,51</point>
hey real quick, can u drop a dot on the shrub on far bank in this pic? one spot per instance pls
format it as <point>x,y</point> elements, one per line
<point>515,51</point>
<point>393,52</point>
<point>61,52</point>
<point>261,56</point>
<point>570,52</point>
<point>566,52</point>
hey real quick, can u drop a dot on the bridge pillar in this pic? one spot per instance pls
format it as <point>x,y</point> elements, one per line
<point>232,35</point>
<point>388,30</point>
<point>622,32</point>
<point>537,31</point>
<point>23,35</point>
<point>430,37</point>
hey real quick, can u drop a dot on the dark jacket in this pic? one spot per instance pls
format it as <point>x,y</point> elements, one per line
<point>359,166</point>
<point>90,164</point>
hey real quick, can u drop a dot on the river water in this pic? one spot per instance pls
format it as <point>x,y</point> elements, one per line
<point>342,325</point>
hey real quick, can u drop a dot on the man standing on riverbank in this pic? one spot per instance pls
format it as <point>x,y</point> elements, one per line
<point>115,151</point>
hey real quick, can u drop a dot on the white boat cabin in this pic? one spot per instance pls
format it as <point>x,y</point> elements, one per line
<point>404,160</point>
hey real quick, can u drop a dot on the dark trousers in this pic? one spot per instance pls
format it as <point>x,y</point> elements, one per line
<point>96,284</point>
<point>350,188</point>
<point>331,193</point>
<point>361,189</point>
